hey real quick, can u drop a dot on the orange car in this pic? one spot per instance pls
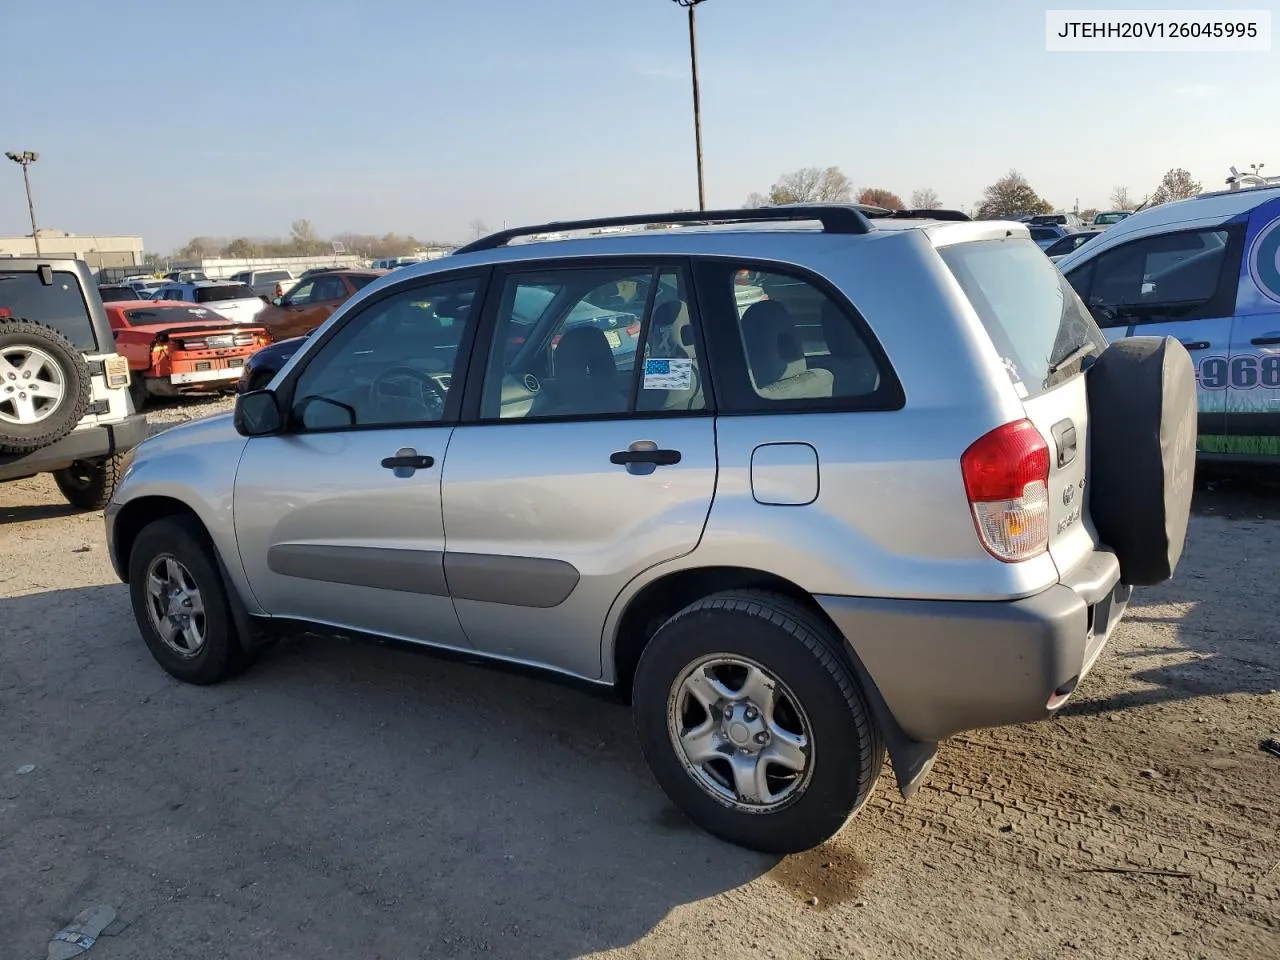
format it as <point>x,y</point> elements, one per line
<point>175,347</point>
<point>312,300</point>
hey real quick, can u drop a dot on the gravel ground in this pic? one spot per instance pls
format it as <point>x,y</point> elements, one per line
<point>353,801</point>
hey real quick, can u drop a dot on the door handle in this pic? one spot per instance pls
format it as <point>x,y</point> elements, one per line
<point>659,458</point>
<point>1266,340</point>
<point>1195,344</point>
<point>406,461</point>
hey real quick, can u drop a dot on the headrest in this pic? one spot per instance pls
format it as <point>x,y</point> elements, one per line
<point>584,352</point>
<point>773,349</point>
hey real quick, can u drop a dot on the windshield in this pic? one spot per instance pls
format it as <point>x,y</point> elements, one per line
<point>224,291</point>
<point>61,306</point>
<point>1034,318</point>
<point>1109,217</point>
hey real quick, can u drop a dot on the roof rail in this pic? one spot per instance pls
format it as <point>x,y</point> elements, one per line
<point>835,218</point>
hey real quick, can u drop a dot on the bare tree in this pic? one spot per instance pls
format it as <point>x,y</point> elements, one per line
<point>242,248</point>
<point>1011,196</point>
<point>1120,199</point>
<point>926,198</point>
<point>811,185</point>
<point>755,200</point>
<point>305,239</point>
<point>200,248</point>
<point>478,228</point>
<point>1175,185</point>
<point>880,197</point>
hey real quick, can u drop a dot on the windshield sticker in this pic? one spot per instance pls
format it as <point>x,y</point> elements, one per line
<point>1264,260</point>
<point>668,374</point>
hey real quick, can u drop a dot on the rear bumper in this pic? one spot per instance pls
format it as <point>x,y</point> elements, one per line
<point>943,666</point>
<point>86,443</point>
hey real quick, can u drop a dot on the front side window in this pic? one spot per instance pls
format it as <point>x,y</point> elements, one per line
<point>301,294</point>
<point>593,342</point>
<point>391,364</point>
<point>1172,276</point>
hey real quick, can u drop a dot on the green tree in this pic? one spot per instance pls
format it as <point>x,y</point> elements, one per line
<point>880,197</point>
<point>1175,185</point>
<point>1011,196</point>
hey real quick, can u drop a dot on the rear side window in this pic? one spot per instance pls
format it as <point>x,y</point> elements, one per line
<point>789,343</point>
<point>360,280</point>
<point>225,291</point>
<point>61,306</point>
<point>1033,317</point>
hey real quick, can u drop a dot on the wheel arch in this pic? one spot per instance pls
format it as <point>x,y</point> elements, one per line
<point>656,601</point>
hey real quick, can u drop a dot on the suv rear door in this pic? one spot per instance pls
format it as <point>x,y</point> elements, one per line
<point>1042,334</point>
<point>1177,283</point>
<point>586,454</point>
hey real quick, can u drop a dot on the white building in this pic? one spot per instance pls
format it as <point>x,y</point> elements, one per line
<point>97,251</point>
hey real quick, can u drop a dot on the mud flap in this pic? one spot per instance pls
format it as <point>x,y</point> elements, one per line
<point>1142,436</point>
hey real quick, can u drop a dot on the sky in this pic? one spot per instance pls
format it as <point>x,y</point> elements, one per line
<point>176,119</point>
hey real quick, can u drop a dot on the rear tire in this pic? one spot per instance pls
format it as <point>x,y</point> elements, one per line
<point>813,713</point>
<point>34,355</point>
<point>138,391</point>
<point>175,555</point>
<point>89,484</point>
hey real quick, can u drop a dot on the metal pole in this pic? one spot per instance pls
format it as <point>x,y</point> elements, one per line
<point>697,106</point>
<point>31,207</point>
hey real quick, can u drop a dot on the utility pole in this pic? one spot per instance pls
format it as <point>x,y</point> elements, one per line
<point>697,99</point>
<point>26,159</point>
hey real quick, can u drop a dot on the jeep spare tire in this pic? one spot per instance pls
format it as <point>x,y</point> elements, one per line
<point>1142,429</point>
<point>44,386</point>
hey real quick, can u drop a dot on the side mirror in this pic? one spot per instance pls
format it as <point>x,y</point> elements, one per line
<point>258,414</point>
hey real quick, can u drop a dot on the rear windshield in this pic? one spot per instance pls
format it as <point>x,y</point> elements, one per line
<point>170,315</point>
<point>60,306</point>
<point>1034,318</point>
<point>113,294</point>
<point>1044,233</point>
<point>271,276</point>
<point>224,291</point>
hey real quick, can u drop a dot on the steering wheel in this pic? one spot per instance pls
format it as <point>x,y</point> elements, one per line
<point>432,395</point>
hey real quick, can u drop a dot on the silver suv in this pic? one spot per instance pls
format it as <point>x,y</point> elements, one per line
<point>803,486</point>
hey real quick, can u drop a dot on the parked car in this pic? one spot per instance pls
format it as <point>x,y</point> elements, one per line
<point>177,348</point>
<point>268,284</point>
<point>311,302</point>
<point>110,292</point>
<point>789,560</point>
<point>1109,218</point>
<point>64,391</point>
<point>185,276</point>
<point>1064,245</point>
<point>145,287</point>
<point>1205,271</point>
<point>235,301</point>
<point>1070,220</point>
<point>1046,235</point>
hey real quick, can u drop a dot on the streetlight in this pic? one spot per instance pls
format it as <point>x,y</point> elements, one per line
<point>697,101</point>
<point>27,158</point>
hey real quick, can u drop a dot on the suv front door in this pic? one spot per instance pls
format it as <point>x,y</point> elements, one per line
<point>1180,284</point>
<point>586,455</point>
<point>1253,404</point>
<point>338,518</point>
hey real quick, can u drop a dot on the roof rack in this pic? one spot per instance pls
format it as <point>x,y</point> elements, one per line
<point>922,214</point>
<point>835,218</point>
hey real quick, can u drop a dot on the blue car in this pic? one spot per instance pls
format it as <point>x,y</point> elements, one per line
<point>1206,271</point>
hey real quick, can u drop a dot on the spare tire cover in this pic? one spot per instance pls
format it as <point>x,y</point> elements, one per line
<point>1142,434</point>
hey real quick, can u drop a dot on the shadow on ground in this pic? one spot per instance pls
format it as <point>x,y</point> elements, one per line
<point>1222,633</point>
<point>340,799</point>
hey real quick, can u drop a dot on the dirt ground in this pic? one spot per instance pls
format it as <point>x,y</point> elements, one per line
<point>351,801</point>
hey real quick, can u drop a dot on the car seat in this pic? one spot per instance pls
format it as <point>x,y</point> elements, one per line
<point>777,364</point>
<point>586,378</point>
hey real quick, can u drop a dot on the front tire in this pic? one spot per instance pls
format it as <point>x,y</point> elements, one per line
<point>89,484</point>
<point>753,723</point>
<point>180,603</point>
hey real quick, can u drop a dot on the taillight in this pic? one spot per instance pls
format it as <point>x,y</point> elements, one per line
<point>1006,477</point>
<point>192,345</point>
